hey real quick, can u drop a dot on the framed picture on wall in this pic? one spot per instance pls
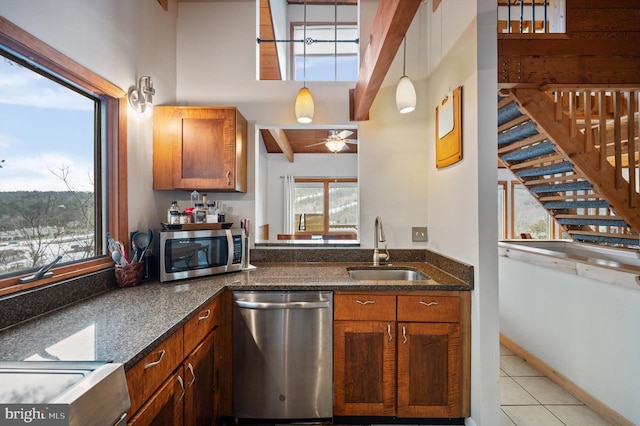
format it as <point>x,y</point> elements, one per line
<point>449,129</point>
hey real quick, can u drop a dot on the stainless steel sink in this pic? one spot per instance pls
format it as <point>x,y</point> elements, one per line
<point>384,274</point>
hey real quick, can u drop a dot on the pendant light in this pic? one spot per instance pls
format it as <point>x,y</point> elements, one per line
<point>405,92</point>
<point>304,101</point>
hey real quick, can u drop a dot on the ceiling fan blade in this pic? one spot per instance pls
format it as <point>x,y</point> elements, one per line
<point>344,134</point>
<point>351,141</point>
<point>316,144</point>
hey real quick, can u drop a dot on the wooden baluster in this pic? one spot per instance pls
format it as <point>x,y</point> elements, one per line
<point>573,130</point>
<point>559,102</point>
<point>602,125</point>
<point>617,137</point>
<point>631,147</point>
<point>588,131</point>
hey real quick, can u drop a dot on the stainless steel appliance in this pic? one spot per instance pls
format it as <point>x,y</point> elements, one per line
<point>283,355</point>
<point>187,254</point>
<point>79,393</point>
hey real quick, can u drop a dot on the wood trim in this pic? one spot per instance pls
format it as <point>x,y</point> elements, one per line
<point>589,400</point>
<point>25,44</point>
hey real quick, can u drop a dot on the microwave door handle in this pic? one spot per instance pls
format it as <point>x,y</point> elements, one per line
<point>229,249</point>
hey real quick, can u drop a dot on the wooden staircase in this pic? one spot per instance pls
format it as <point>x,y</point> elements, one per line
<point>576,150</point>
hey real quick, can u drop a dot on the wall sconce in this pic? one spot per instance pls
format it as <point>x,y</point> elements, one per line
<point>405,92</point>
<point>142,95</point>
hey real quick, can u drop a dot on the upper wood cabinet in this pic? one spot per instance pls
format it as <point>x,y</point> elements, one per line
<point>203,148</point>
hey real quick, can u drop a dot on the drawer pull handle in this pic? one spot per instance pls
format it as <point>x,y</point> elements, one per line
<point>428,303</point>
<point>366,302</point>
<point>404,335</point>
<point>193,375</point>
<point>205,316</point>
<point>389,331</point>
<point>182,386</point>
<point>151,364</point>
<point>228,175</point>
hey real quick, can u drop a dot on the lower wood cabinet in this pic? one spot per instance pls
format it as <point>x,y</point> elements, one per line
<point>182,382</point>
<point>408,359</point>
<point>165,407</point>
<point>199,407</point>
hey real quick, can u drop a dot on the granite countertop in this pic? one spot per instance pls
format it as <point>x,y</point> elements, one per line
<point>124,325</point>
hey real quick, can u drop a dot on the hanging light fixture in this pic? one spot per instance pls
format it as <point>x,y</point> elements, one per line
<point>304,101</point>
<point>335,145</point>
<point>405,92</point>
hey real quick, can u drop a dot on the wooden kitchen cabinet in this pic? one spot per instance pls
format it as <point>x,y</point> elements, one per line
<point>364,360</point>
<point>404,355</point>
<point>199,408</point>
<point>364,355</point>
<point>165,406</point>
<point>429,356</point>
<point>182,381</point>
<point>203,148</point>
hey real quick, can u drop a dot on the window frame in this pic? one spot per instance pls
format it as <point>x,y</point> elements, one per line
<point>114,101</point>
<point>325,208</point>
<point>292,54</point>
<point>502,188</point>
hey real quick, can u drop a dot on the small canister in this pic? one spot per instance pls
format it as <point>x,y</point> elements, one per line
<point>200,214</point>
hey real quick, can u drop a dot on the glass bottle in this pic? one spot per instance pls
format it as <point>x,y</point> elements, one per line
<point>173,214</point>
<point>212,213</point>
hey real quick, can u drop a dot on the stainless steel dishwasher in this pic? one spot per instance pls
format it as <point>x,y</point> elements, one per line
<point>283,355</point>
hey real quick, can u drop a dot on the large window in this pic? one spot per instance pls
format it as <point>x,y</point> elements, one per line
<point>326,206</point>
<point>61,185</point>
<point>530,219</point>
<point>48,203</point>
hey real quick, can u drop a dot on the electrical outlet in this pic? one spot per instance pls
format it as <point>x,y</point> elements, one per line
<point>419,233</point>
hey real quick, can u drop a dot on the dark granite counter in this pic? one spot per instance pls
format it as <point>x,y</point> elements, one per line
<point>125,324</point>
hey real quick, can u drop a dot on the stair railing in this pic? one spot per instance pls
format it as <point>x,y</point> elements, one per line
<point>610,123</point>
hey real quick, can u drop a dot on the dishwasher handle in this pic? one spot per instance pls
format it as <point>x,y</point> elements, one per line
<point>321,304</point>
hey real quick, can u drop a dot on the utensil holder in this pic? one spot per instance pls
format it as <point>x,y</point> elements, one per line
<point>129,275</point>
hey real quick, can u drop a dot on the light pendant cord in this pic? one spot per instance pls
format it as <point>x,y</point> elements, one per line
<point>304,48</point>
<point>404,58</point>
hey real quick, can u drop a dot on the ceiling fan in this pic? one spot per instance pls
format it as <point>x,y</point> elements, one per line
<point>336,140</point>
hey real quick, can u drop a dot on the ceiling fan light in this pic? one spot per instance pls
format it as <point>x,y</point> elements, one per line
<point>405,95</point>
<point>304,106</point>
<point>335,145</point>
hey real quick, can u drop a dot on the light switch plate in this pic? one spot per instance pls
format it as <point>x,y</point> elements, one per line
<point>419,234</point>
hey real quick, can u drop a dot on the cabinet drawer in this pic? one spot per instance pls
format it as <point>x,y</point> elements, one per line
<point>364,307</point>
<point>429,308</point>
<point>200,325</point>
<point>149,373</point>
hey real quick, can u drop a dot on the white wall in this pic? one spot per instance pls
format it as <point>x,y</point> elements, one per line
<point>584,329</point>
<point>119,40</point>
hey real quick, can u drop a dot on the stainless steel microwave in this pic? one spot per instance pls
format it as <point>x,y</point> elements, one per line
<point>188,254</point>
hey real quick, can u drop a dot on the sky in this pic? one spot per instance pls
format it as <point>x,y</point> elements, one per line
<point>44,127</point>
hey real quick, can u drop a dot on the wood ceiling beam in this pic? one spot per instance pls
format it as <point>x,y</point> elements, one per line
<point>390,25</point>
<point>282,141</point>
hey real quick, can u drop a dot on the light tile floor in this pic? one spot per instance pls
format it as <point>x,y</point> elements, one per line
<point>528,398</point>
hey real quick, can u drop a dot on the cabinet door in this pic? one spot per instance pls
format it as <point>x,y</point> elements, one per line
<point>164,408</point>
<point>429,370</point>
<point>199,148</point>
<point>364,368</point>
<point>205,156</point>
<point>199,384</point>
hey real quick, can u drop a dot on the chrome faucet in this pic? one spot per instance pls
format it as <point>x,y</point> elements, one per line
<point>378,233</point>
